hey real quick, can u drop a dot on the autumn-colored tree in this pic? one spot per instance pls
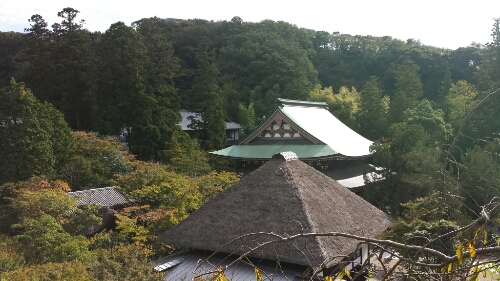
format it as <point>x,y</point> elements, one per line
<point>72,270</point>
<point>124,262</point>
<point>343,105</point>
<point>43,208</point>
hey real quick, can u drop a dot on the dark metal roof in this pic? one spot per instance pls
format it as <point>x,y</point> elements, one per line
<point>241,271</point>
<point>106,197</point>
<point>185,122</point>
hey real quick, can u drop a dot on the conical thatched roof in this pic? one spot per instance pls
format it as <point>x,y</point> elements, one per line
<point>285,197</point>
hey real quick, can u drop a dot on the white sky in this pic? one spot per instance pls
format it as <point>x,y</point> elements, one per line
<point>442,23</point>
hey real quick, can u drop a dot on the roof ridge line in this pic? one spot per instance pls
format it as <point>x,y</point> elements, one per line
<point>287,102</point>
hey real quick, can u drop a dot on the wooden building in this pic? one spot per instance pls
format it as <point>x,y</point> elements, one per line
<point>316,136</point>
<point>232,129</point>
<point>282,198</point>
<point>110,200</point>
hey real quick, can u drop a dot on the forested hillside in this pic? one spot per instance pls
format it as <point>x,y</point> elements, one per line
<point>432,112</point>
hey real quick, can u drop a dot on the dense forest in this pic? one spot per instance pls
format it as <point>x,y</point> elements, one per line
<point>82,109</point>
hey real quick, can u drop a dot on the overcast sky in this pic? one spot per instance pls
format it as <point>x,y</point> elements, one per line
<point>440,23</point>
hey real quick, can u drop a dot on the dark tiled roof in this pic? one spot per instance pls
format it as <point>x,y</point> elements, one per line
<point>106,197</point>
<point>241,271</point>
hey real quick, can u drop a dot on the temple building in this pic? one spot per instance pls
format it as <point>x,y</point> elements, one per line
<point>246,227</point>
<point>232,129</point>
<point>316,136</point>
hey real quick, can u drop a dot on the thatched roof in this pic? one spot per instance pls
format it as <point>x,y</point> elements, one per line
<point>286,197</point>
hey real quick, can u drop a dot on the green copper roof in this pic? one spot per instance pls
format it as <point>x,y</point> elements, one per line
<point>327,136</point>
<point>267,151</point>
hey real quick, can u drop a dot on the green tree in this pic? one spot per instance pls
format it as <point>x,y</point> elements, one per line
<point>10,259</point>
<point>408,90</point>
<point>10,44</point>
<point>36,138</point>
<point>60,66</point>
<point>460,101</point>
<point>409,168</point>
<point>43,207</point>
<point>50,243</point>
<point>72,270</point>
<point>431,120</point>
<point>124,262</point>
<point>125,102</point>
<point>247,117</point>
<point>189,159</point>
<point>94,161</point>
<point>487,73</point>
<point>479,172</point>
<point>373,107</point>
<point>208,103</point>
<point>265,61</point>
<point>161,68</point>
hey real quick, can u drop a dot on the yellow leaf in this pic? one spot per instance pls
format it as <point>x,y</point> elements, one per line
<point>328,278</point>
<point>477,232</point>
<point>347,272</point>
<point>458,251</point>
<point>220,276</point>
<point>485,240</point>
<point>484,273</point>
<point>258,275</point>
<point>450,267</point>
<point>341,275</point>
<point>471,250</point>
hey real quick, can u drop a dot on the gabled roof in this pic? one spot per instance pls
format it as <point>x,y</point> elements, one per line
<point>320,123</point>
<point>285,197</point>
<point>185,122</point>
<point>307,128</point>
<point>106,197</point>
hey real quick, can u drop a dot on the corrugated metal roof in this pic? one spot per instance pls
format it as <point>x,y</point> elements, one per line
<point>241,271</point>
<point>106,197</point>
<point>303,151</point>
<point>321,124</point>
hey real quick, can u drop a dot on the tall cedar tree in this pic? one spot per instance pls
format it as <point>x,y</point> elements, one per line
<point>59,65</point>
<point>161,68</point>
<point>208,100</point>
